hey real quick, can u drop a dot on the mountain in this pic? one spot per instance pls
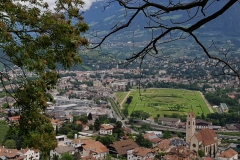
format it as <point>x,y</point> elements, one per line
<point>104,19</point>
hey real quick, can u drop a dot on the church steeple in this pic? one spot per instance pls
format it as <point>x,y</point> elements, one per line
<point>190,126</point>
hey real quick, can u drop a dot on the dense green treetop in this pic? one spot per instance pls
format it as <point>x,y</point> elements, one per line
<point>37,39</point>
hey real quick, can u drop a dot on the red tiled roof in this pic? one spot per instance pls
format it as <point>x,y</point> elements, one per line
<point>228,154</point>
<point>96,146</point>
<point>123,146</point>
<point>78,122</point>
<point>207,136</point>
<point>139,151</point>
<point>106,126</point>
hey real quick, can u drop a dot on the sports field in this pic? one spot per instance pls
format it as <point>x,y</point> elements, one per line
<point>166,101</point>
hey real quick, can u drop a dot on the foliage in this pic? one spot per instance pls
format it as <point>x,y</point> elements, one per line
<point>84,119</point>
<point>201,153</point>
<point>91,127</point>
<point>66,156</point>
<point>180,135</point>
<point>90,116</point>
<point>55,157</point>
<point>125,111</point>
<point>223,118</point>
<point>106,140</point>
<point>5,105</point>
<point>3,131</point>
<point>140,114</point>
<point>160,155</point>
<point>129,100</point>
<point>166,134</point>
<point>70,129</point>
<point>118,129</point>
<point>141,141</point>
<point>108,157</point>
<point>97,124</point>
<point>37,39</point>
<point>10,143</point>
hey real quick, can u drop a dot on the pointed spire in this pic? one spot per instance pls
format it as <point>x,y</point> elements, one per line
<point>192,113</point>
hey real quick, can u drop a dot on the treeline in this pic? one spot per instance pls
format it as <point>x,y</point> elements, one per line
<point>222,119</point>
<point>192,86</point>
<point>220,96</point>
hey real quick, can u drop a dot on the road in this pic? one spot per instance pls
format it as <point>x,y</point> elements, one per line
<point>124,99</point>
<point>207,103</point>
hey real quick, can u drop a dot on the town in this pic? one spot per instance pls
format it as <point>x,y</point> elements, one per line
<point>88,124</point>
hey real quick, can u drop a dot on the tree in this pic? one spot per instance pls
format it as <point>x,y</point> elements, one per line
<point>79,127</point>
<point>159,19</point>
<point>66,156</point>
<point>118,129</point>
<point>166,134</point>
<point>90,116</point>
<point>97,124</point>
<point>55,157</point>
<point>201,153</point>
<point>125,111</point>
<point>141,141</point>
<point>10,143</point>
<point>84,119</point>
<point>38,40</point>
<point>106,140</point>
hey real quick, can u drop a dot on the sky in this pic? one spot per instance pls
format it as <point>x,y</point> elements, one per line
<point>86,6</point>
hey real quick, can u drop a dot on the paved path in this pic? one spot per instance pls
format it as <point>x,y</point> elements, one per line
<point>207,103</point>
<point>124,99</point>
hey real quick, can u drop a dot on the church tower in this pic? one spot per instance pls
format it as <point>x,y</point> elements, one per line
<point>190,126</point>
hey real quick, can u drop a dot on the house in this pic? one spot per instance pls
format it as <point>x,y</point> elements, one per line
<point>180,153</point>
<point>223,107</point>
<point>30,154</point>
<point>153,138</point>
<point>59,150</point>
<point>90,157</point>
<point>177,142</point>
<point>24,154</point>
<point>121,147</point>
<point>85,127</point>
<point>14,119</point>
<point>164,146</point>
<point>229,154</point>
<point>206,139</point>
<point>106,129</point>
<point>141,153</point>
<point>76,143</point>
<point>169,121</point>
<point>94,148</point>
<point>56,123</point>
<point>231,127</point>
<point>200,124</point>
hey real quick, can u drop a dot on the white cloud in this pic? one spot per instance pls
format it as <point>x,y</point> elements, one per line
<point>52,4</point>
<point>86,6</point>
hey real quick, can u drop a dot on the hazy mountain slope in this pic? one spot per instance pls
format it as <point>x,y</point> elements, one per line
<point>227,24</point>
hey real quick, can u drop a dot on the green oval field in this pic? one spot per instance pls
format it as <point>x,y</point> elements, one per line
<point>165,101</point>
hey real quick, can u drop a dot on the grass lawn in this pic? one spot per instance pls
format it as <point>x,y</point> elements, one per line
<point>3,132</point>
<point>120,96</point>
<point>166,101</point>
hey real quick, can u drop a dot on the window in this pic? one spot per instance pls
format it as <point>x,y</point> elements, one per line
<point>188,122</point>
<point>194,145</point>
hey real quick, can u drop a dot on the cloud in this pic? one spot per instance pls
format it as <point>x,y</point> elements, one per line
<point>86,6</point>
<point>51,3</point>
